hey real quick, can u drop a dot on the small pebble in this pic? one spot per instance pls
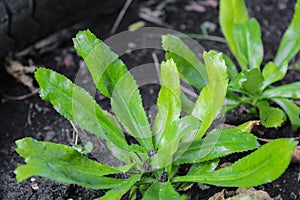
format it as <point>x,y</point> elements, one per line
<point>211,27</point>
<point>281,6</point>
<point>35,186</point>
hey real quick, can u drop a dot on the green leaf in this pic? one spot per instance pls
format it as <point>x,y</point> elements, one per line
<point>186,104</point>
<point>273,74</point>
<point>162,191</point>
<point>290,43</point>
<point>127,105</point>
<point>191,70</point>
<point>182,130</point>
<point>254,81</point>
<point>232,101</point>
<point>211,99</point>
<point>232,12</point>
<point>117,192</point>
<point>168,103</point>
<point>203,167</point>
<point>231,68</point>
<point>247,36</point>
<point>264,165</point>
<point>291,109</point>
<point>105,67</point>
<point>237,83</point>
<point>270,116</point>
<point>62,164</point>
<point>113,80</point>
<point>291,90</point>
<point>75,104</point>
<point>217,144</point>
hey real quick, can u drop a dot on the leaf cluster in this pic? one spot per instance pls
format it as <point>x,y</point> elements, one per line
<point>253,85</point>
<point>151,164</point>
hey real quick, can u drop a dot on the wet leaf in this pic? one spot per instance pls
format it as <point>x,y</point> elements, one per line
<point>291,109</point>
<point>113,80</point>
<point>253,81</point>
<point>62,164</point>
<point>232,12</point>
<point>271,160</point>
<point>162,191</point>
<point>168,103</point>
<point>211,99</point>
<point>273,74</point>
<point>217,144</point>
<point>117,192</point>
<point>247,36</point>
<point>75,104</point>
<point>270,116</point>
<point>199,168</point>
<point>291,90</point>
<point>231,68</point>
<point>290,43</point>
<point>191,70</point>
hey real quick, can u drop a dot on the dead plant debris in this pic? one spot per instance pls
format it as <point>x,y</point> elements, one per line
<point>241,193</point>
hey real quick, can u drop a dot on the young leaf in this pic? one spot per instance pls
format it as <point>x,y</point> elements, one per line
<point>217,144</point>
<point>231,101</point>
<point>290,43</point>
<point>264,165</point>
<point>62,164</point>
<point>168,103</point>
<point>211,99</point>
<point>285,91</point>
<point>291,109</point>
<point>184,129</point>
<point>162,191</point>
<point>105,67</point>
<point>232,12</point>
<point>186,104</point>
<point>254,81</point>
<point>270,116</point>
<point>247,36</point>
<point>113,80</point>
<point>127,105</point>
<point>272,73</point>
<point>78,106</point>
<point>237,83</point>
<point>117,192</point>
<point>191,70</point>
<point>231,68</point>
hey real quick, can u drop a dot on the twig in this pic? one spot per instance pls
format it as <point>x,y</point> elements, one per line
<point>120,16</point>
<point>186,188</point>
<point>29,114</point>
<point>153,20</point>
<point>156,64</point>
<point>189,92</point>
<point>270,140</point>
<point>75,133</point>
<point>18,98</point>
<point>203,37</point>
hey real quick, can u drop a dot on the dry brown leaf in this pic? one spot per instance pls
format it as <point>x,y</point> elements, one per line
<point>296,155</point>
<point>241,192</point>
<point>20,72</point>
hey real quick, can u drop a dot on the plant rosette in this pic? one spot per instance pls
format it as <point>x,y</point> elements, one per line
<point>179,135</point>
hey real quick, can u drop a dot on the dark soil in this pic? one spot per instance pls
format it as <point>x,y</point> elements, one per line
<point>36,118</point>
